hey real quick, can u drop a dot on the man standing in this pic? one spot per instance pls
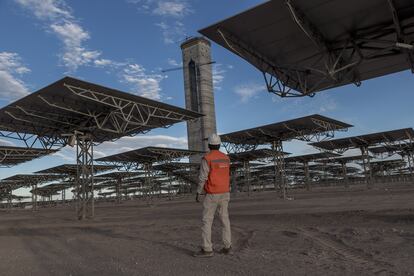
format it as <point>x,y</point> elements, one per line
<point>214,179</point>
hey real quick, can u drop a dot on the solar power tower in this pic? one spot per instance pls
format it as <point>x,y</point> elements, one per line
<point>199,97</point>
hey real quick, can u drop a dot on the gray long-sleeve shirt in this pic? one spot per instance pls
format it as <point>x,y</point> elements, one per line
<point>203,176</point>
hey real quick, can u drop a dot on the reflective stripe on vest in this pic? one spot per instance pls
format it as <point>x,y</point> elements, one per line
<point>218,181</point>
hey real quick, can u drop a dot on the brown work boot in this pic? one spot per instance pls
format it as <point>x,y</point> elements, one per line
<point>225,250</point>
<point>203,254</point>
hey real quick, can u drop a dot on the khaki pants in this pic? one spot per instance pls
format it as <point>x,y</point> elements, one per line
<point>213,202</point>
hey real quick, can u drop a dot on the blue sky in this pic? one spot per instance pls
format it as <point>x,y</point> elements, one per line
<point>125,43</point>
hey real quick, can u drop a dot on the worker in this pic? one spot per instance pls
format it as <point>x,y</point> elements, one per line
<point>214,180</point>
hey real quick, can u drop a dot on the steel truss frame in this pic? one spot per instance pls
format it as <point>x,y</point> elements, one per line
<point>168,155</point>
<point>6,193</point>
<point>260,155</point>
<point>30,181</point>
<point>324,130</point>
<point>118,189</point>
<point>305,159</point>
<point>34,197</point>
<point>32,140</point>
<point>279,163</point>
<point>340,59</point>
<point>278,159</point>
<point>54,189</point>
<point>345,174</point>
<point>149,174</point>
<point>152,183</point>
<point>125,117</point>
<point>344,168</point>
<point>11,156</point>
<point>306,172</point>
<point>181,172</point>
<point>409,155</point>
<point>410,159</point>
<point>400,35</point>
<point>128,116</point>
<point>234,173</point>
<point>406,150</point>
<point>364,148</point>
<point>366,165</point>
<point>365,159</point>
<point>386,166</point>
<point>115,180</point>
<point>84,194</point>
<point>236,148</point>
<point>246,175</point>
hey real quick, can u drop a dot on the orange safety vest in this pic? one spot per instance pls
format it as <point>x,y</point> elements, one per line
<point>218,181</point>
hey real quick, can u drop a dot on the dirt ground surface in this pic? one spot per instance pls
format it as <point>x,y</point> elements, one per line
<point>322,232</point>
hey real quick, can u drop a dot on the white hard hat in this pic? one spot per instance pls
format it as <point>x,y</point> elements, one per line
<point>214,139</point>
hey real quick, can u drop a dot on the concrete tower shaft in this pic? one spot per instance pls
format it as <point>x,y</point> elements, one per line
<point>199,96</point>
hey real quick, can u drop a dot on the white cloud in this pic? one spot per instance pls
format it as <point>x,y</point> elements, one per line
<point>173,62</point>
<point>172,32</point>
<point>11,69</point>
<point>297,147</point>
<point>61,23</point>
<point>11,87</point>
<point>170,12</point>
<point>320,104</point>
<point>172,8</point>
<point>68,154</point>
<point>47,9</point>
<point>6,143</point>
<point>248,91</point>
<point>73,36</point>
<point>103,62</point>
<point>11,62</point>
<point>136,142</point>
<point>326,104</point>
<point>143,84</point>
<point>22,70</point>
<point>218,76</point>
<point>70,33</point>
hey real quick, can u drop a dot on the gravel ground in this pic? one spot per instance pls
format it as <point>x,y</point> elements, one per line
<point>330,231</point>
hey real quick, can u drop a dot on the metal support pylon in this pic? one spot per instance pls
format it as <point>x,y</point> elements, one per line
<point>34,197</point>
<point>345,174</point>
<point>410,162</point>
<point>246,168</point>
<point>118,190</point>
<point>307,180</point>
<point>170,183</point>
<point>10,199</point>
<point>279,162</point>
<point>234,181</point>
<point>63,196</point>
<point>84,183</point>
<point>367,166</point>
<point>148,180</point>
